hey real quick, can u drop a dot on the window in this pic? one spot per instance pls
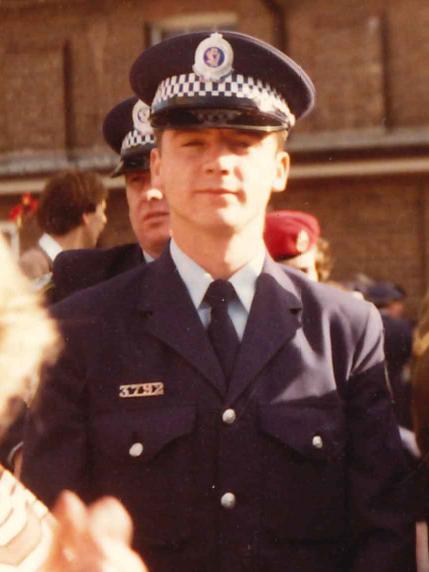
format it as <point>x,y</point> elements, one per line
<point>157,31</point>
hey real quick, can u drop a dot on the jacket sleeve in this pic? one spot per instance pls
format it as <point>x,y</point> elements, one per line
<point>55,448</point>
<point>380,485</point>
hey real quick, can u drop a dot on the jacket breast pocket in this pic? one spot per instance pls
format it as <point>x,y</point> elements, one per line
<point>303,472</point>
<point>144,457</point>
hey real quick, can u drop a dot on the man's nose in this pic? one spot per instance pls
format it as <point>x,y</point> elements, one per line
<point>153,195</point>
<point>219,160</point>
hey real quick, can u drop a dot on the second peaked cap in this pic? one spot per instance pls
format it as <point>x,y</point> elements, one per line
<point>127,130</point>
<point>192,78</point>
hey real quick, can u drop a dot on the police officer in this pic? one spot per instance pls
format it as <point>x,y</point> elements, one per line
<point>239,410</point>
<point>127,130</point>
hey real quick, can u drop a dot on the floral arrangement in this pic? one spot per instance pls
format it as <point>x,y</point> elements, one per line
<point>24,210</point>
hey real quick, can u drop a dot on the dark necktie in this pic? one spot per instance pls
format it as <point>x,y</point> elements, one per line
<point>221,330</point>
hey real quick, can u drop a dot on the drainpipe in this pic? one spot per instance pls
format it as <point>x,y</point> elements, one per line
<point>278,13</point>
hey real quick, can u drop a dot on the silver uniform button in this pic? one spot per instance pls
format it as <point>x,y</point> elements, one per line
<point>228,500</point>
<point>136,449</point>
<point>229,416</point>
<point>317,442</point>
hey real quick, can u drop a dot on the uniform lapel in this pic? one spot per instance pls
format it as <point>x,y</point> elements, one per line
<point>273,320</point>
<point>170,316</point>
<point>129,257</point>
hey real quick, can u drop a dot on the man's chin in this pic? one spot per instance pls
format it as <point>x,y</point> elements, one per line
<point>154,241</point>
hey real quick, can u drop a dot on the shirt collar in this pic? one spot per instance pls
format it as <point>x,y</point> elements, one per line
<point>244,280</point>
<point>148,257</point>
<point>197,280</point>
<point>50,246</point>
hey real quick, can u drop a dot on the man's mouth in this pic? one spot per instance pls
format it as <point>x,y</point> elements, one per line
<point>155,215</point>
<point>217,192</point>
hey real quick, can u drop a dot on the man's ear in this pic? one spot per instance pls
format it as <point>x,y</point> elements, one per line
<point>155,167</point>
<point>282,172</point>
<point>86,219</point>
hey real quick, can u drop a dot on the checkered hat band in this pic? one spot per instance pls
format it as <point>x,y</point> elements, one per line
<point>236,86</point>
<point>135,138</point>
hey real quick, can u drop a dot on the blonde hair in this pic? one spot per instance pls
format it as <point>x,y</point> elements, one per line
<point>324,259</point>
<point>28,337</point>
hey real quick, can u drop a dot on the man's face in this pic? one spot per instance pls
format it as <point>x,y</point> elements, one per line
<point>396,309</point>
<point>95,223</point>
<point>219,180</point>
<point>148,212</point>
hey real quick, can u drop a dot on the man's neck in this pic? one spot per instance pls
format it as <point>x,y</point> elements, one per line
<point>220,255</point>
<point>153,251</point>
<point>72,240</point>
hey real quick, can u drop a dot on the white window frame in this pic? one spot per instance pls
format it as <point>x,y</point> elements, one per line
<point>191,22</point>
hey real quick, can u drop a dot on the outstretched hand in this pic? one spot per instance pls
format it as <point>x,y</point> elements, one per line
<point>92,539</point>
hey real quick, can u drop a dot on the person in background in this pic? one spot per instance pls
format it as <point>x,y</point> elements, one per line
<point>74,538</point>
<point>420,380</point>
<point>420,405</point>
<point>71,214</point>
<point>127,130</point>
<point>293,238</point>
<point>398,341</point>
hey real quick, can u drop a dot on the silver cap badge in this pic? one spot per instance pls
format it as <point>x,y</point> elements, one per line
<point>141,113</point>
<point>213,58</point>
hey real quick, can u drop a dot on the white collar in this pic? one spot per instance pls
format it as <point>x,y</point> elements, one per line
<point>197,280</point>
<point>50,246</point>
<point>148,257</point>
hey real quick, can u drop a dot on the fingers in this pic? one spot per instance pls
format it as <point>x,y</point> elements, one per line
<point>92,539</point>
<point>74,548</point>
<point>117,557</point>
<point>70,511</point>
<point>107,517</point>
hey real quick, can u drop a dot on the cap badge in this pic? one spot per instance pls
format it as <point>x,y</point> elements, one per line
<point>213,58</point>
<point>302,241</point>
<point>141,113</point>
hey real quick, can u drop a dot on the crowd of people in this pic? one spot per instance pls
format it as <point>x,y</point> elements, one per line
<point>210,376</point>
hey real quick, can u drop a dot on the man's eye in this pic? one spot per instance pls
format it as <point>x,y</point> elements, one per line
<point>192,143</point>
<point>242,144</point>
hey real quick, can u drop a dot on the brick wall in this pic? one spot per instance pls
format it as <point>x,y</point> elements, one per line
<point>375,226</point>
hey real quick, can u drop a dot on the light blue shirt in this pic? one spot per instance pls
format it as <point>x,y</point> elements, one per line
<point>197,280</point>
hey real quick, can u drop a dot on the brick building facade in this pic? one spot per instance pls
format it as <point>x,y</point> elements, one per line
<point>360,160</point>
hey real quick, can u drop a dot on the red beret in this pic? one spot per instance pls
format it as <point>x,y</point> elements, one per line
<point>290,233</point>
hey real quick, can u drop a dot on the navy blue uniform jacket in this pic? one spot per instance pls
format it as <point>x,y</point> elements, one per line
<point>134,409</point>
<point>84,267</point>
